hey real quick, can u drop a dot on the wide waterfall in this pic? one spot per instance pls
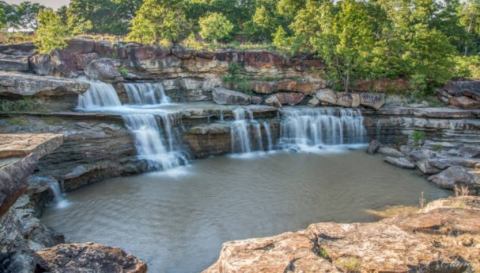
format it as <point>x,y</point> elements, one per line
<point>307,128</point>
<point>247,134</point>
<point>146,93</point>
<point>155,137</point>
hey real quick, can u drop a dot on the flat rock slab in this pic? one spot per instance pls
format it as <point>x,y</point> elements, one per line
<point>19,156</point>
<point>20,145</point>
<point>439,238</point>
<point>23,84</point>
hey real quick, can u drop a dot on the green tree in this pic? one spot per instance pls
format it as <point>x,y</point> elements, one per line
<point>3,19</point>
<point>469,15</point>
<point>159,20</point>
<point>214,27</point>
<point>51,33</point>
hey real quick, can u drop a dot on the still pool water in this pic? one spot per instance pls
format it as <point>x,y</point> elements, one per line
<point>177,221</point>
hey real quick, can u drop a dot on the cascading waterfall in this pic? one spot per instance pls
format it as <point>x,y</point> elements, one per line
<point>247,134</point>
<point>146,93</point>
<point>307,128</point>
<point>100,95</point>
<point>154,141</point>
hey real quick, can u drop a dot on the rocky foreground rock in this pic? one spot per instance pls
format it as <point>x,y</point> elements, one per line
<point>442,237</point>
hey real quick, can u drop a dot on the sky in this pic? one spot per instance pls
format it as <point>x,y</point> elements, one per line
<point>49,3</point>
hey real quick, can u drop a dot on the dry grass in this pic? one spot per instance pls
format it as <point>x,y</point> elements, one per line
<point>349,264</point>
<point>393,211</point>
<point>461,190</point>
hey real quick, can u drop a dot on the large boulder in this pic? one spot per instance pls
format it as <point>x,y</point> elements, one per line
<point>285,98</point>
<point>372,100</point>
<point>388,151</point>
<point>225,96</point>
<point>327,96</point>
<point>464,102</point>
<point>90,257</point>
<point>461,94</point>
<point>103,69</point>
<point>348,99</point>
<point>453,176</point>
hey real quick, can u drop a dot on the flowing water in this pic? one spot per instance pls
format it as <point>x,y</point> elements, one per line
<point>154,142</point>
<point>177,224</point>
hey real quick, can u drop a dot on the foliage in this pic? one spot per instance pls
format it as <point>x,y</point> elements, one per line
<point>236,79</point>
<point>467,67</point>
<point>23,105</point>
<point>21,16</point>
<point>51,33</point>
<point>418,137</point>
<point>214,27</point>
<point>3,18</point>
<point>159,20</point>
<point>349,264</point>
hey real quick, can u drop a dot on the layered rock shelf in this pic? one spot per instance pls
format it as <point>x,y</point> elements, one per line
<point>438,238</point>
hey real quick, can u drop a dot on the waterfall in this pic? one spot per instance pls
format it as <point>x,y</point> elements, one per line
<point>58,197</point>
<point>306,128</point>
<point>246,133</point>
<point>146,93</point>
<point>99,95</point>
<point>155,141</point>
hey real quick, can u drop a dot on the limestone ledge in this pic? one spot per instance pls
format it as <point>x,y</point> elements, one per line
<point>442,237</point>
<point>19,155</point>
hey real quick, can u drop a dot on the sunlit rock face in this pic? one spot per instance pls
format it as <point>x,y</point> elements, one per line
<point>438,238</point>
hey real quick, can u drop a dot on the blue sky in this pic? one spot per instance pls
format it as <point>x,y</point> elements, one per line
<point>49,3</point>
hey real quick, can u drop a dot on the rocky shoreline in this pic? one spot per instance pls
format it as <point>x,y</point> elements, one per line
<point>45,137</point>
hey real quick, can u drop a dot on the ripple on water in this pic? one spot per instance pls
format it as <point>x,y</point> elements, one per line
<point>177,221</point>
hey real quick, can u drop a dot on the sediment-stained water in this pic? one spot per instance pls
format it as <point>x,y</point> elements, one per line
<point>177,221</point>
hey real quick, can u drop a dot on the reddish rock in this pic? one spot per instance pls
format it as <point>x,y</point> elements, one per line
<point>262,87</point>
<point>90,257</point>
<point>464,102</point>
<point>440,238</point>
<point>285,98</point>
<point>382,85</point>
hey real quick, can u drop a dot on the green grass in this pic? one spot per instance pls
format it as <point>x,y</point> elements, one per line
<point>18,121</point>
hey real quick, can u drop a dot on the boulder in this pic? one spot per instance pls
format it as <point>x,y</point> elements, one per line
<point>19,84</point>
<point>348,99</point>
<point>464,102</point>
<point>372,100</point>
<point>263,87</point>
<point>327,96</point>
<point>284,98</point>
<point>90,257</point>
<point>401,162</point>
<point>229,97</point>
<point>313,102</point>
<point>273,101</point>
<point>453,176</point>
<point>373,147</point>
<point>426,167</point>
<point>388,151</point>
<point>102,69</point>
<point>41,64</point>
<point>15,57</point>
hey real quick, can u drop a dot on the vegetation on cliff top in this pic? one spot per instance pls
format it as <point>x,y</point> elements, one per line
<point>425,41</point>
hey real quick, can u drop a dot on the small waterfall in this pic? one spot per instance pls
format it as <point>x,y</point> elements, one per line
<point>248,134</point>
<point>240,132</point>
<point>146,93</point>
<point>59,198</point>
<point>150,143</point>
<point>99,95</point>
<point>268,133</point>
<point>154,141</point>
<point>311,128</point>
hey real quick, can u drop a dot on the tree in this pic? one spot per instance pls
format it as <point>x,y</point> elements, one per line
<point>51,33</point>
<point>3,19</point>
<point>469,15</point>
<point>214,27</point>
<point>159,20</point>
<point>22,16</point>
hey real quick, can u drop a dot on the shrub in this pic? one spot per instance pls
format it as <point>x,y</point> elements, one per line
<point>215,27</point>
<point>349,264</point>
<point>52,33</point>
<point>23,105</point>
<point>418,137</point>
<point>467,67</point>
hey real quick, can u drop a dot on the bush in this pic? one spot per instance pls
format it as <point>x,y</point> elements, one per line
<point>215,27</point>
<point>52,33</point>
<point>24,105</point>
<point>467,67</point>
<point>418,137</point>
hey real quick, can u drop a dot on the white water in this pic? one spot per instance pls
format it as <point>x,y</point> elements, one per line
<point>58,197</point>
<point>307,129</point>
<point>247,135</point>
<point>146,93</point>
<point>154,141</point>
